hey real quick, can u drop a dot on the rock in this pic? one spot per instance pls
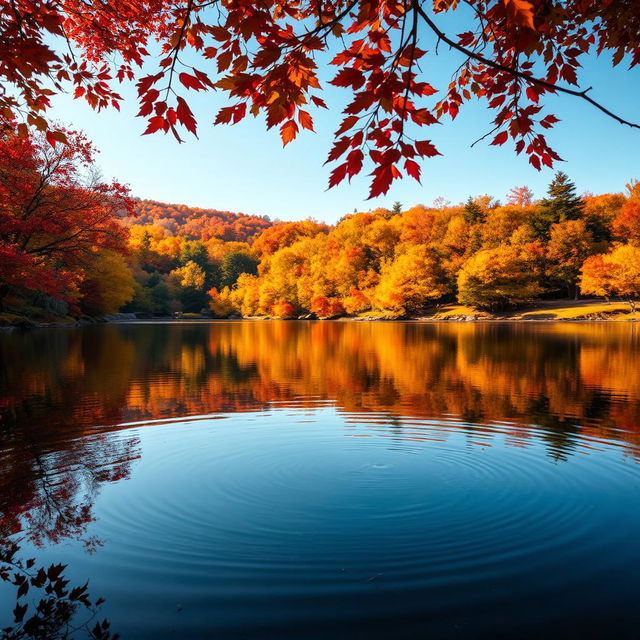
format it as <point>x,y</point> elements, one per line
<point>120,317</point>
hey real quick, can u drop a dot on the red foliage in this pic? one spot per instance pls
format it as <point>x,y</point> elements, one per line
<point>52,216</point>
<point>283,309</point>
<point>325,307</point>
<point>263,55</point>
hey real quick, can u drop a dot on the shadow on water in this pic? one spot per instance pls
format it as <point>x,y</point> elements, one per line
<point>47,606</point>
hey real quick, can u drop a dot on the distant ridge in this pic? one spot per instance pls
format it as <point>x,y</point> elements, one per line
<point>204,224</point>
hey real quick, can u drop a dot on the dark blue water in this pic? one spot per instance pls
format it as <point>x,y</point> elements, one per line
<point>330,480</point>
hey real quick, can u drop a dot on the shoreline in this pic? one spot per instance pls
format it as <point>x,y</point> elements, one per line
<point>544,311</point>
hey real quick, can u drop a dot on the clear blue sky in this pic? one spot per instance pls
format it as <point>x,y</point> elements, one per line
<point>244,167</point>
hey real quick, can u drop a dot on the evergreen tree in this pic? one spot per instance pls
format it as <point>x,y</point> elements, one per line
<point>473,212</point>
<point>194,251</point>
<point>562,204</point>
<point>234,264</point>
<point>397,208</point>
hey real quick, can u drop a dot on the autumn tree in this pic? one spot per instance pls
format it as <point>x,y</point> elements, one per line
<point>599,213</point>
<point>265,56</point>
<point>235,264</point>
<point>107,284</point>
<point>411,281</point>
<point>285,234</point>
<point>55,212</point>
<point>626,224</point>
<point>191,279</point>
<point>495,278</point>
<point>473,212</point>
<point>613,274</point>
<point>520,196</point>
<point>570,243</point>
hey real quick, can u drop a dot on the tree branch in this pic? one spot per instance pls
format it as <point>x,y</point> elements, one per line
<point>516,72</point>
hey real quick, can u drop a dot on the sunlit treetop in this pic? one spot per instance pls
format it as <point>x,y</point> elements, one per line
<point>265,57</point>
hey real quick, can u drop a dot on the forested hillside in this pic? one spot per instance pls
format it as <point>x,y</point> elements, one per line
<point>71,245</point>
<point>204,224</point>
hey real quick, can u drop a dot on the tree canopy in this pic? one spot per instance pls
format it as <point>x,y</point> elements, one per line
<point>56,215</point>
<point>269,58</point>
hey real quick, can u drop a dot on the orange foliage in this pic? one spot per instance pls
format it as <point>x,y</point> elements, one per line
<point>485,374</point>
<point>204,224</point>
<point>283,309</point>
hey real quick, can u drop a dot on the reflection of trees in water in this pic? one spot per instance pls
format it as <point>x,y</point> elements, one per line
<point>48,485</point>
<point>556,376</point>
<point>48,489</point>
<point>61,392</point>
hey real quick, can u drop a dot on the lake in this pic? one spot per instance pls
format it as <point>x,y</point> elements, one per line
<point>330,479</point>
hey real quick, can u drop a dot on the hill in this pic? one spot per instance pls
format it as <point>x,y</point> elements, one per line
<point>201,224</point>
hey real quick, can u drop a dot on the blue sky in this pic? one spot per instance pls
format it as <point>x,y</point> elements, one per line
<point>244,167</point>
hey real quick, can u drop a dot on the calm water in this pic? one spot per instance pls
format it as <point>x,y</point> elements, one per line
<point>330,480</point>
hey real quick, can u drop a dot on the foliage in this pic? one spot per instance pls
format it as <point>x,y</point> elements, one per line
<point>495,278</point>
<point>382,261</point>
<point>473,212</point>
<point>265,56</point>
<point>107,285</point>
<point>234,265</point>
<point>570,244</point>
<point>55,212</point>
<point>520,196</point>
<point>614,274</point>
<point>413,279</point>
<point>626,224</point>
<point>285,234</point>
<point>203,224</point>
<point>220,303</point>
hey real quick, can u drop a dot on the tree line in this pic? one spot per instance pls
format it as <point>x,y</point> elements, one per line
<point>73,244</point>
<point>480,253</point>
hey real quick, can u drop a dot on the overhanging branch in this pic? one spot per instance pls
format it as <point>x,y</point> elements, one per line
<point>516,72</point>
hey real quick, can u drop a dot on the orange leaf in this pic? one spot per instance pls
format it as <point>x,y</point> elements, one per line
<point>288,132</point>
<point>305,120</point>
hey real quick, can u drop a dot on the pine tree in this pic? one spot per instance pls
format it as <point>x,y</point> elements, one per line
<point>473,212</point>
<point>562,204</point>
<point>397,208</point>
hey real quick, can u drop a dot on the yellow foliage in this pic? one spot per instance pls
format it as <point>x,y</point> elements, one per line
<point>191,275</point>
<point>498,277</point>
<point>110,279</point>
<point>412,279</point>
<point>220,302</point>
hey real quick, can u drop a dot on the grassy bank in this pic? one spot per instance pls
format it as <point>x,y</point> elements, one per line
<point>547,310</point>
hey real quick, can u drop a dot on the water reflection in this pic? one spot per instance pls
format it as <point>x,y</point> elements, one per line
<point>570,380</point>
<point>301,479</point>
